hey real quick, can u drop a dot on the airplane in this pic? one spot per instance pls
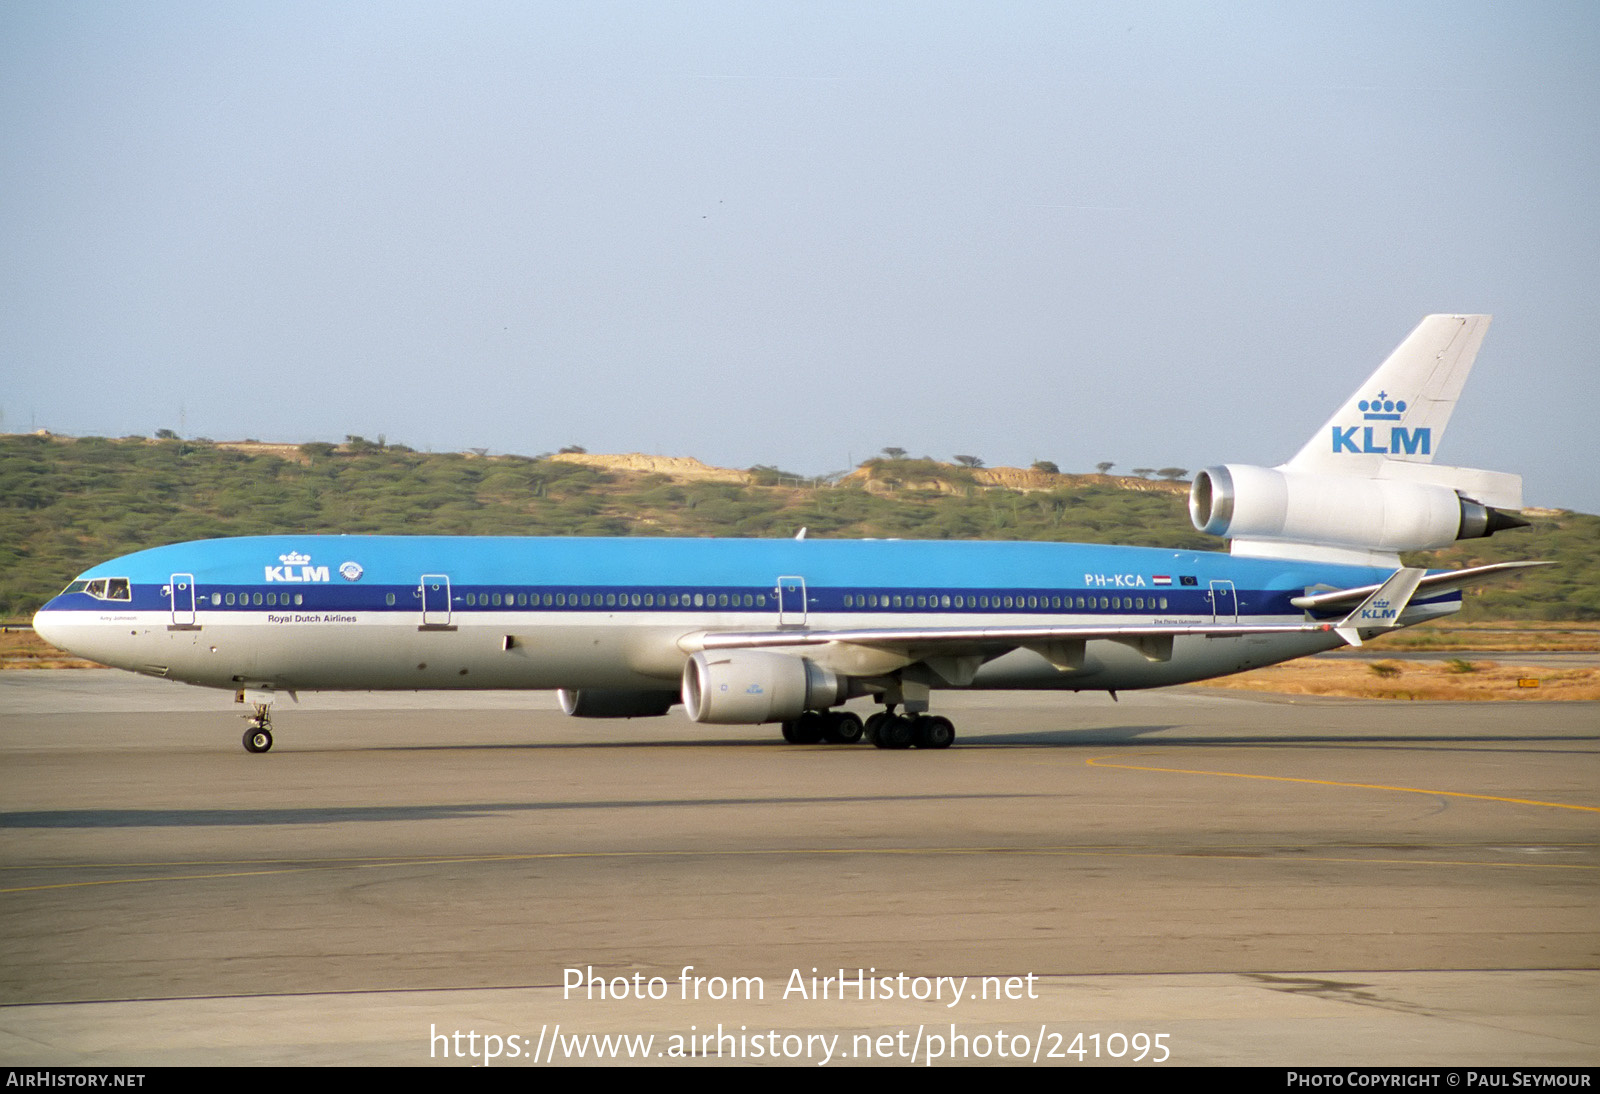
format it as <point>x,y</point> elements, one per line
<point>788,631</point>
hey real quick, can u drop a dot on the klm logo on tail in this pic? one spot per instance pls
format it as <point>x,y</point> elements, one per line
<point>1378,611</point>
<point>1412,442</point>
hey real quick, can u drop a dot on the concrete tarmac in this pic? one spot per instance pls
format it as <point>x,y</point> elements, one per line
<point>1186,875</point>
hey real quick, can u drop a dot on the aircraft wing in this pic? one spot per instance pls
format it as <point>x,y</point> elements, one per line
<point>978,637</point>
<point>1375,608</point>
<point>958,651</point>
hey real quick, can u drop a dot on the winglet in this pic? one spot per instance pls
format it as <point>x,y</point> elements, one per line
<point>1381,611</point>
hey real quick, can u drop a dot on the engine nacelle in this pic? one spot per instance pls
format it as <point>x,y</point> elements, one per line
<point>1260,503</point>
<point>615,702</point>
<point>748,687</point>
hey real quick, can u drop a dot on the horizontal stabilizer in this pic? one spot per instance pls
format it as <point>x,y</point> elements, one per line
<point>1381,611</point>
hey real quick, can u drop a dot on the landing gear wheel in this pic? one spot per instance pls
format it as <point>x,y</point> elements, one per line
<point>874,726</point>
<point>897,732</point>
<point>935,732</point>
<point>808,728</point>
<point>257,740</point>
<point>843,728</point>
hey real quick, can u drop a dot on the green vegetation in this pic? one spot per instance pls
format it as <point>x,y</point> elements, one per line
<point>66,504</point>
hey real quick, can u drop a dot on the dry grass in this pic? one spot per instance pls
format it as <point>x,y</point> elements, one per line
<point>1417,680</point>
<point>1490,637</point>
<point>26,650</point>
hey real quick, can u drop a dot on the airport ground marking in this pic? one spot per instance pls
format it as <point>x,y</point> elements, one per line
<point>447,860</point>
<point>1098,762</point>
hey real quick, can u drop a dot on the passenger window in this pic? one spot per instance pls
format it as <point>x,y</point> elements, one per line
<point>388,598</point>
<point>216,600</point>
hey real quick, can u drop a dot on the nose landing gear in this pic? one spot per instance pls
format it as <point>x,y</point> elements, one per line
<point>258,738</point>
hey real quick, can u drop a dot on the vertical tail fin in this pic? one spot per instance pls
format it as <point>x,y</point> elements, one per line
<point>1400,413</point>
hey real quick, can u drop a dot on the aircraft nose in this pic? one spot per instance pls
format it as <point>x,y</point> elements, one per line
<point>47,625</point>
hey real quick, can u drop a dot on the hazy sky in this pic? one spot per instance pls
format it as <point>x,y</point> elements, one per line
<point>792,234</point>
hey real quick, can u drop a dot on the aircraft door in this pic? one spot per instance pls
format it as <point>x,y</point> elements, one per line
<point>791,601</point>
<point>435,591</point>
<point>1224,602</point>
<point>182,593</point>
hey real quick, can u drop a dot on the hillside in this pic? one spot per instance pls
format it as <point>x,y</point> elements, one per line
<point>67,503</point>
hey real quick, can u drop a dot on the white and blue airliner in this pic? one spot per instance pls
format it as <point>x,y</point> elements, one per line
<point>747,631</point>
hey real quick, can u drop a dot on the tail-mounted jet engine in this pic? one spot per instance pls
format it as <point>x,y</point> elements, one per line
<point>1259,503</point>
<point>747,687</point>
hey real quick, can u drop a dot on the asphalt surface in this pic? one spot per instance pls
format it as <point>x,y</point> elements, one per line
<point>1212,877</point>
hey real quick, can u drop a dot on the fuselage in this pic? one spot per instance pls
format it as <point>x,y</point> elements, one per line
<point>368,613</point>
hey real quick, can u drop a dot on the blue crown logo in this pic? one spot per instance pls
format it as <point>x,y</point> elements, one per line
<point>1382,409</point>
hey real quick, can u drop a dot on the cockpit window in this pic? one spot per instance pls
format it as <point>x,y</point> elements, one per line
<point>104,588</point>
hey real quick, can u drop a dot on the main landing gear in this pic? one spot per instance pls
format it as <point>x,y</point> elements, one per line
<point>884,729</point>
<point>258,738</point>
<point>837,727</point>
<point>889,730</point>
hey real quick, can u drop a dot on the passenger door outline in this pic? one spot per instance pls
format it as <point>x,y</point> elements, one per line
<point>435,593</point>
